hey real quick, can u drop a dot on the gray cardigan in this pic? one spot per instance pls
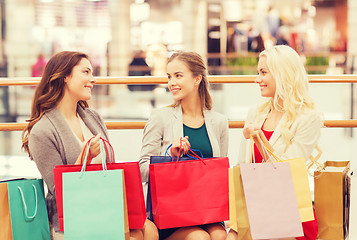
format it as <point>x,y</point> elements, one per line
<point>52,142</point>
<point>166,124</point>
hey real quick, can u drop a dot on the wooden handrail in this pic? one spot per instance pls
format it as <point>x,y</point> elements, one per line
<point>140,125</point>
<point>163,80</point>
<point>30,81</point>
<point>253,54</point>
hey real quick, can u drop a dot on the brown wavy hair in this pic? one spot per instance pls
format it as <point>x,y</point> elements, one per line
<point>197,66</point>
<point>50,90</point>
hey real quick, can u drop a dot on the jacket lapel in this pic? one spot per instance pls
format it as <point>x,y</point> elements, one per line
<point>210,126</point>
<point>277,133</point>
<point>68,139</point>
<point>177,123</point>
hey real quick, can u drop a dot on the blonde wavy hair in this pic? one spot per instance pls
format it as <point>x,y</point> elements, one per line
<point>292,83</point>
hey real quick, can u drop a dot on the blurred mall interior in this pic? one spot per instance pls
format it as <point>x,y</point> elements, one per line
<point>135,37</point>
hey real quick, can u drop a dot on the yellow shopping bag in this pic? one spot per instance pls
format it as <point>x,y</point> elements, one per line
<point>301,184</point>
<point>302,188</point>
<point>241,223</point>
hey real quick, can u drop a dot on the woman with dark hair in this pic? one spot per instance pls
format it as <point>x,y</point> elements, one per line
<point>61,123</point>
<point>190,121</point>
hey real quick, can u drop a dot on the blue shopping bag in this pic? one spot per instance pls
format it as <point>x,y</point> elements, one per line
<point>94,204</point>
<point>27,209</point>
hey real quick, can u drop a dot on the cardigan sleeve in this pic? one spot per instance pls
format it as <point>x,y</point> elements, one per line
<point>45,153</point>
<point>305,138</point>
<point>151,142</point>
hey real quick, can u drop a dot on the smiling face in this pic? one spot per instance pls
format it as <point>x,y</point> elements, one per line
<point>80,83</point>
<point>181,81</point>
<point>265,79</point>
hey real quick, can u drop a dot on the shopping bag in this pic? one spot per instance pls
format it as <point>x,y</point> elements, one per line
<point>302,188</point>
<point>154,160</point>
<point>94,204</point>
<point>134,188</point>
<point>188,193</point>
<point>232,206</point>
<point>271,200</point>
<point>299,174</point>
<point>330,198</point>
<point>353,205</point>
<point>23,214</point>
<point>5,219</point>
<point>240,207</point>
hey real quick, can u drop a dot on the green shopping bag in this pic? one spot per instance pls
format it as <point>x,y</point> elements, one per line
<point>27,208</point>
<point>94,203</point>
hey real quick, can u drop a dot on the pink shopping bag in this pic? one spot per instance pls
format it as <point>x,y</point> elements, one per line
<point>271,200</point>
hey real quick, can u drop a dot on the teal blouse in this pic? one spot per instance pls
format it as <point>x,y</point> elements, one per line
<point>199,140</point>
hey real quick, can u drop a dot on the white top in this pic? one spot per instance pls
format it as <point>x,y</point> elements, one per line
<point>87,134</point>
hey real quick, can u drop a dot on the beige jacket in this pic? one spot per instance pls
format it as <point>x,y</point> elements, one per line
<point>166,124</point>
<point>306,132</point>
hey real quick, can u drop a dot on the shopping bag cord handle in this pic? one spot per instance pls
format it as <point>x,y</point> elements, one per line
<point>106,142</point>
<point>265,150</point>
<point>190,153</point>
<point>102,148</point>
<point>28,218</point>
<point>179,153</point>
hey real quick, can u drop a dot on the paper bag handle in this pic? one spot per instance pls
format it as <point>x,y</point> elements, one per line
<point>106,142</point>
<point>102,148</point>
<point>168,155</point>
<point>27,217</point>
<point>265,150</point>
<point>190,153</point>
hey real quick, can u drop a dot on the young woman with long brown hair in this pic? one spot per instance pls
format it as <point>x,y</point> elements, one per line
<point>61,123</point>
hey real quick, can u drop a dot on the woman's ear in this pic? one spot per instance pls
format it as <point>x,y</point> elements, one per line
<point>198,80</point>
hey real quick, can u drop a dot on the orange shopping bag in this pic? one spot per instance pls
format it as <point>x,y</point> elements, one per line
<point>5,220</point>
<point>330,200</point>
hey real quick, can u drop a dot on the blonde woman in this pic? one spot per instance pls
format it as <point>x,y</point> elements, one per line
<point>192,120</point>
<point>287,121</point>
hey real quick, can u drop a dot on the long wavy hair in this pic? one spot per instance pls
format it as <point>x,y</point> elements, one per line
<point>50,90</point>
<point>197,66</point>
<point>292,84</point>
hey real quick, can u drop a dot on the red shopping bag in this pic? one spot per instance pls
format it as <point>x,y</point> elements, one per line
<point>189,193</point>
<point>133,186</point>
